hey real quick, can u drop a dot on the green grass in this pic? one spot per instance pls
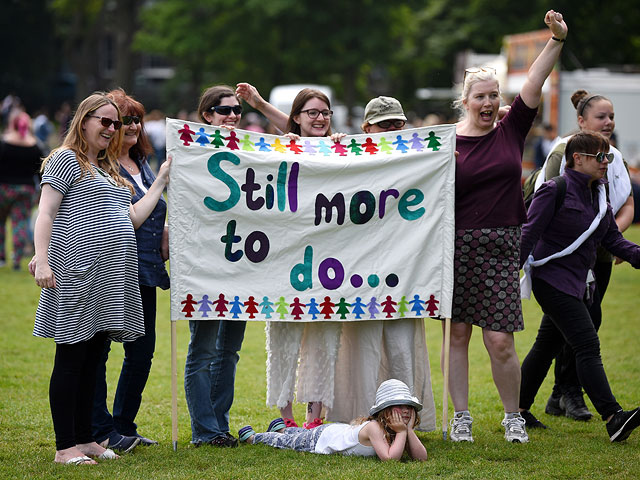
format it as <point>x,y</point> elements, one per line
<point>568,450</point>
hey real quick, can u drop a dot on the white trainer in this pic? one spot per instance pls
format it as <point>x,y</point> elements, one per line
<point>461,428</point>
<point>514,430</point>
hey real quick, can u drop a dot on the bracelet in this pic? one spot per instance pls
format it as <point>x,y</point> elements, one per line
<point>561,40</point>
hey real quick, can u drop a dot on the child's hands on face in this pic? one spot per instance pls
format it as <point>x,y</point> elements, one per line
<point>397,423</point>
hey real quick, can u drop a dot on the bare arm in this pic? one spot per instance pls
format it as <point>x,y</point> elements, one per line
<point>624,217</point>
<point>250,94</point>
<point>141,210</point>
<point>541,68</point>
<point>50,200</point>
<point>383,450</point>
<point>414,446</point>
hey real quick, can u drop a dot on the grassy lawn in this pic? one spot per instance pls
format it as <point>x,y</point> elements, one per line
<point>567,450</point>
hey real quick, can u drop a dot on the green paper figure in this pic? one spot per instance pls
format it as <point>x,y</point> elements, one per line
<point>218,140</point>
<point>247,144</point>
<point>433,142</point>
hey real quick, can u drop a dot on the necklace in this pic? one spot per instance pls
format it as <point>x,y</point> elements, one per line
<point>129,167</point>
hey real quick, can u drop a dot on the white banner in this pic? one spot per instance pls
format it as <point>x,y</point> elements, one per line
<point>266,228</point>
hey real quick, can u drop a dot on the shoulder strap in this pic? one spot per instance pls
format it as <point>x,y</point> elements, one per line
<point>561,183</point>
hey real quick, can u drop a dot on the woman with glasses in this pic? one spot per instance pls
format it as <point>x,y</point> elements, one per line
<point>119,431</point>
<point>489,212</point>
<point>87,265</point>
<point>595,113</point>
<point>210,369</point>
<point>576,228</point>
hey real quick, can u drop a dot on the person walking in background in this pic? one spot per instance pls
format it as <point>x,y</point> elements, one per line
<point>489,212</point>
<point>210,369</point>
<point>595,114</point>
<point>564,240</point>
<point>20,158</point>
<point>119,431</point>
<point>86,263</point>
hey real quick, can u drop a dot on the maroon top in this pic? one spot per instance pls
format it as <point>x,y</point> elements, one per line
<point>489,171</point>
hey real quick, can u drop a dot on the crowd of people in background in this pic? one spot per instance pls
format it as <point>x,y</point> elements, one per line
<point>100,241</point>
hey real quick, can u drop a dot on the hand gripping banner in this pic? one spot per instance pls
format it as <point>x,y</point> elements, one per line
<point>262,227</point>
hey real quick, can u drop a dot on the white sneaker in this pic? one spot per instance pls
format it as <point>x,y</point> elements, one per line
<point>461,428</point>
<point>514,430</point>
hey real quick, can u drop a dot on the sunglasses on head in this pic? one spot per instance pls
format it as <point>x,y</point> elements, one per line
<point>388,123</point>
<point>106,121</point>
<point>227,109</point>
<point>472,70</point>
<point>600,156</point>
<point>127,119</point>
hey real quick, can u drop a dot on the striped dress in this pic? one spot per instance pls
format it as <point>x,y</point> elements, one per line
<point>93,256</point>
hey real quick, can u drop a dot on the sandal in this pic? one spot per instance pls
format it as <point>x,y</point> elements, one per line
<point>313,424</point>
<point>245,433</point>
<point>108,454</point>
<point>276,425</point>
<point>78,461</point>
<point>289,422</point>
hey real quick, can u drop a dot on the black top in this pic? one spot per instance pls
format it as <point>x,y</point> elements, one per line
<point>19,164</point>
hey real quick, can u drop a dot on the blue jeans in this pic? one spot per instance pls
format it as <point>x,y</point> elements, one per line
<point>209,375</point>
<point>133,377</point>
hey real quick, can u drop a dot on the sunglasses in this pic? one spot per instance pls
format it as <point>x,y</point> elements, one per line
<point>127,119</point>
<point>473,70</point>
<point>227,109</point>
<point>600,156</point>
<point>106,121</point>
<point>313,113</point>
<point>388,123</point>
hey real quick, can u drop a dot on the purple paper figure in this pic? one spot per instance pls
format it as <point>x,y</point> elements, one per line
<point>401,144</point>
<point>313,309</point>
<point>416,142</point>
<point>355,147</point>
<point>217,139</point>
<point>236,307</point>
<point>247,144</point>
<point>205,306</point>
<point>384,145</point>
<point>327,307</point>
<point>357,307</point>
<point>339,149</point>
<point>417,305</point>
<point>294,147</point>
<point>402,306</point>
<point>372,307</point>
<point>296,308</point>
<point>343,309</point>
<point>309,147</point>
<point>232,141</point>
<point>432,305</point>
<point>370,146</point>
<point>251,305</point>
<point>203,138</point>
<point>188,305</point>
<point>267,307</point>
<point>186,135</point>
<point>388,305</point>
<point>262,145</point>
<point>323,148</point>
<point>282,308</point>
<point>221,305</point>
<point>433,144</point>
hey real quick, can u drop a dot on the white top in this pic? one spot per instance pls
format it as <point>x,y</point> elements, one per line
<point>138,179</point>
<point>343,438</point>
<point>93,255</point>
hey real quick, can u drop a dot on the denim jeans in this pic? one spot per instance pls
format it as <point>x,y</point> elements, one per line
<point>133,377</point>
<point>209,375</point>
<point>566,319</point>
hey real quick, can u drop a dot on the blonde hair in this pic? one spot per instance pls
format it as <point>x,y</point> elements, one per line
<point>77,143</point>
<point>383,418</point>
<point>470,80</point>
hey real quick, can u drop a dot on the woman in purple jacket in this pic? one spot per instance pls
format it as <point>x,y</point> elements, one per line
<point>562,286</point>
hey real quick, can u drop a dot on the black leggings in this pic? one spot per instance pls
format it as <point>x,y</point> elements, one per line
<point>71,390</point>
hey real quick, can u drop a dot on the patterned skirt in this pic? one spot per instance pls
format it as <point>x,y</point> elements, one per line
<point>487,281</point>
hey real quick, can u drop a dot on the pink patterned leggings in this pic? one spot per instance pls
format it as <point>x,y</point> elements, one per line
<point>16,201</point>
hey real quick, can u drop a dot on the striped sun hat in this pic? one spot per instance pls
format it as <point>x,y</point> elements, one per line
<point>394,392</point>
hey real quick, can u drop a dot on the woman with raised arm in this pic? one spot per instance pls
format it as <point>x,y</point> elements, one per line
<point>489,213</point>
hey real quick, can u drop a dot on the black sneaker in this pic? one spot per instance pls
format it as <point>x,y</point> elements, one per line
<point>553,405</point>
<point>146,442</point>
<point>572,402</point>
<point>224,440</point>
<point>120,443</point>
<point>622,424</point>
<point>531,421</point>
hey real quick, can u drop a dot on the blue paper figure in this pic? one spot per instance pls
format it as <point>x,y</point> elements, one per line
<point>203,138</point>
<point>417,305</point>
<point>313,309</point>
<point>236,307</point>
<point>401,144</point>
<point>267,308</point>
<point>357,307</point>
<point>263,146</point>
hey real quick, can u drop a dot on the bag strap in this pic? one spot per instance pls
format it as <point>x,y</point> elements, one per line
<point>561,183</point>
